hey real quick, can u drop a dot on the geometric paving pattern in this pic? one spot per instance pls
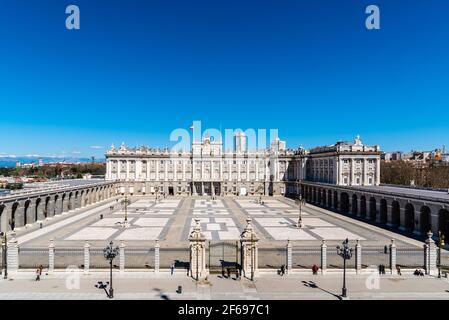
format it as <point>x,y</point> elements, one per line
<point>217,228</point>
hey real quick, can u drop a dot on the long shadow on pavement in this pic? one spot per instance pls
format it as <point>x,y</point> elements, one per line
<point>311,284</point>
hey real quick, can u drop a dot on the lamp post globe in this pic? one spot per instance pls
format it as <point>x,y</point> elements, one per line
<point>110,253</point>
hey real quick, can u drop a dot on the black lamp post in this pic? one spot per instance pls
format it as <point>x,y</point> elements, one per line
<point>346,253</point>
<point>4,255</point>
<point>110,253</point>
<point>300,201</point>
<point>126,202</point>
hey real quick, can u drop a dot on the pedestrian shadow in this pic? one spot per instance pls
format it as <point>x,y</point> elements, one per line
<point>312,284</point>
<point>161,294</point>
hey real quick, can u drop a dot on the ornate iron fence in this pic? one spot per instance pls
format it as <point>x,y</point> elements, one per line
<point>270,258</point>
<point>65,257</point>
<point>375,256</point>
<point>306,257</point>
<point>31,258</point>
<point>142,258</point>
<point>410,257</point>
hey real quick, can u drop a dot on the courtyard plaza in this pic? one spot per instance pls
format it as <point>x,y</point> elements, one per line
<point>171,219</point>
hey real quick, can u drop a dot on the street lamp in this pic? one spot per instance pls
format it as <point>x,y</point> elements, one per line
<point>4,254</point>
<point>346,253</point>
<point>440,245</point>
<point>126,202</point>
<point>110,253</point>
<point>300,201</point>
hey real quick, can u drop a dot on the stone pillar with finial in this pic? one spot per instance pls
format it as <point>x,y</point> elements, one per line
<point>122,256</point>
<point>156,256</point>
<point>430,255</point>
<point>323,257</point>
<point>86,257</point>
<point>51,256</point>
<point>392,256</point>
<point>13,254</point>
<point>289,257</point>
<point>197,252</point>
<point>358,257</point>
<point>249,247</point>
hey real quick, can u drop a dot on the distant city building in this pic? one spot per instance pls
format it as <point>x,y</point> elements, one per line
<point>40,162</point>
<point>392,156</point>
<point>209,170</point>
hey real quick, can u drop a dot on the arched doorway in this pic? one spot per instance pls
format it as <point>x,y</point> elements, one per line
<point>36,209</point>
<point>26,209</point>
<point>344,202</point>
<point>372,209</point>
<point>335,200</point>
<point>443,222</point>
<point>56,206</point>
<point>354,204</point>
<point>425,219</point>
<point>395,214</point>
<point>12,221</point>
<point>409,217</point>
<point>2,227</point>
<point>383,211</point>
<point>47,200</point>
<point>363,206</point>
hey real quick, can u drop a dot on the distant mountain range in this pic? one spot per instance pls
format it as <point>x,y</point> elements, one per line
<point>10,161</point>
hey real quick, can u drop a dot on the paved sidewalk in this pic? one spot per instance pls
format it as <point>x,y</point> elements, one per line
<point>163,287</point>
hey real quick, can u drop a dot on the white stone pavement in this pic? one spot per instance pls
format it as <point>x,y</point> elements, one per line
<point>267,287</point>
<point>66,221</point>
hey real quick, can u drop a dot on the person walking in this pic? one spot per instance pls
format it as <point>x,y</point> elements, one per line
<point>41,267</point>
<point>398,268</point>
<point>282,269</point>
<point>315,269</point>
<point>172,268</point>
<point>229,273</point>
<point>38,276</point>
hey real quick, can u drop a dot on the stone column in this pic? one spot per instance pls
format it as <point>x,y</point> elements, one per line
<point>40,211</point>
<point>156,256</point>
<point>19,216</point>
<point>86,257</point>
<point>122,256</point>
<point>249,247</point>
<point>392,256</point>
<point>358,257</point>
<point>197,252</point>
<point>13,255</point>
<point>289,257</point>
<point>430,255</point>
<point>51,256</point>
<point>323,257</point>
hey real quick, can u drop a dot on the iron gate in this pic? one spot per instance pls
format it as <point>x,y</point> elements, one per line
<point>222,256</point>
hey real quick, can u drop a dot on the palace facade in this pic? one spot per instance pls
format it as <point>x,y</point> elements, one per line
<point>208,170</point>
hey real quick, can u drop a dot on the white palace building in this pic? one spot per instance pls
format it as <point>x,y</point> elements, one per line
<point>208,170</point>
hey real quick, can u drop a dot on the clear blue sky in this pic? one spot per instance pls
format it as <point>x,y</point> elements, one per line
<point>139,69</point>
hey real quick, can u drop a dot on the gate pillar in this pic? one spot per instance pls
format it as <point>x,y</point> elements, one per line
<point>249,246</point>
<point>197,252</point>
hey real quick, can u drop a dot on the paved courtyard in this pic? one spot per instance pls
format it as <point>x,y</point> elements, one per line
<point>170,220</point>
